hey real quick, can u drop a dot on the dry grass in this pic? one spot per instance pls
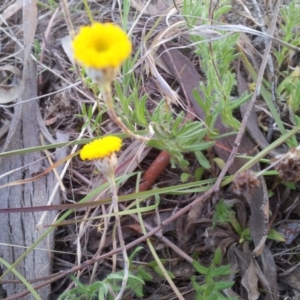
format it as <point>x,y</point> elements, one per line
<point>172,212</point>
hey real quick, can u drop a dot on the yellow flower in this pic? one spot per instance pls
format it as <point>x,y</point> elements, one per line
<point>101,148</point>
<point>101,46</point>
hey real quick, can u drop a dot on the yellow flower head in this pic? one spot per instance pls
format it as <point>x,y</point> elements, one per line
<point>101,148</point>
<point>101,46</point>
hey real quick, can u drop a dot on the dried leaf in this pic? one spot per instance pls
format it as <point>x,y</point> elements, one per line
<point>165,88</point>
<point>259,219</point>
<point>292,277</point>
<point>12,69</point>
<point>250,282</point>
<point>9,93</point>
<point>10,11</point>
<point>67,46</point>
<point>270,275</point>
<point>29,25</point>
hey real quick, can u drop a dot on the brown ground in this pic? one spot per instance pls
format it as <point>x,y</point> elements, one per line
<point>181,228</point>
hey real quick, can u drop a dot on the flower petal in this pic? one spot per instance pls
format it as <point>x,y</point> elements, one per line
<point>101,148</point>
<point>101,46</point>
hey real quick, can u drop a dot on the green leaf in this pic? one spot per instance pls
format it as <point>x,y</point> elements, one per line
<point>221,271</point>
<point>158,271</point>
<point>276,236</point>
<point>140,111</point>
<point>241,100</point>
<point>196,286</point>
<point>176,125</point>
<point>222,285</point>
<point>202,160</point>
<point>198,173</point>
<point>103,291</point>
<point>136,285</point>
<point>138,291</point>
<point>209,275</point>
<point>83,109</point>
<point>212,296</point>
<point>245,235</point>
<point>297,120</point>
<point>210,287</point>
<point>197,147</point>
<point>199,268</point>
<point>202,103</point>
<point>144,274</point>
<point>223,213</point>
<point>217,256</point>
<point>185,177</point>
<point>219,162</point>
<point>192,130</point>
<point>115,276</point>
<point>229,120</point>
<point>135,251</point>
<point>221,11</point>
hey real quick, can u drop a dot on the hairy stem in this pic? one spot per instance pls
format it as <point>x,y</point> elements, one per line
<point>106,90</point>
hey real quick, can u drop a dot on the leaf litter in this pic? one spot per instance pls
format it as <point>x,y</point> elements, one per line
<point>192,233</point>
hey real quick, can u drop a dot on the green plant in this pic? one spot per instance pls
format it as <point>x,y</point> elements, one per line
<point>178,138</point>
<point>171,133</point>
<point>50,5</point>
<point>37,48</point>
<point>289,31</point>
<point>289,90</point>
<point>216,58</point>
<point>102,289</point>
<point>289,87</point>
<point>212,287</point>
<point>87,114</point>
<point>224,214</point>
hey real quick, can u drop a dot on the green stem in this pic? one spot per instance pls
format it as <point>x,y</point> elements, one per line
<point>88,11</point>
<point>22,279</point>
<point>107,97</point>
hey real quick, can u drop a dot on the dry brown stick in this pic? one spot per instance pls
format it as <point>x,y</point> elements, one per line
<point>256,92</point>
